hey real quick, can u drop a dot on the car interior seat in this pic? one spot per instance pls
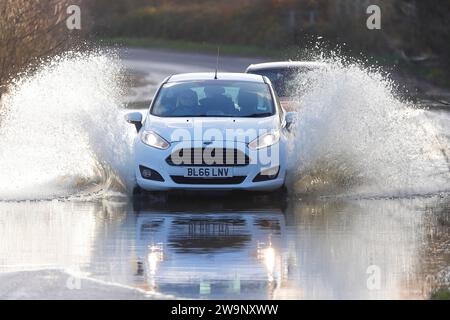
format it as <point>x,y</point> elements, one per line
<point>248,102</point>
<point>217,102</point>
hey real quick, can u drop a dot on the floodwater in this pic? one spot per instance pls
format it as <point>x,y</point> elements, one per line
<point>232,247</point>
<point>367,215</point>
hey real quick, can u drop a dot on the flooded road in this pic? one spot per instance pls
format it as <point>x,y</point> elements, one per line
<point>228,247</point>
<point>87,237</point>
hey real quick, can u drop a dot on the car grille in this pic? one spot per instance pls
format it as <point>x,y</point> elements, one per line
<point>229,158</point>
<point>216,181</point>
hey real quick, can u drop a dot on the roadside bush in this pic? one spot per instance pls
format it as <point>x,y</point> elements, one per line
<point>411,30</point>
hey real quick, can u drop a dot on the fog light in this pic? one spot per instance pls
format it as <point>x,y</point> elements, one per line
<point>147,173</point>
<point>267,174</point>
<point>150,174</point>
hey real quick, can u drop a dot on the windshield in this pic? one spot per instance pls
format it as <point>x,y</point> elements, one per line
<point>284,80</point>
<point>214,98</point>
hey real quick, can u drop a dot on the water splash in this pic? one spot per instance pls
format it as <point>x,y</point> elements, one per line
<point>61,130</point>
<point>354,136</point>
<point>62,133</point>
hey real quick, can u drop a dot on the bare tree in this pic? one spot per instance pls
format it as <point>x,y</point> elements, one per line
<point>30,30</point>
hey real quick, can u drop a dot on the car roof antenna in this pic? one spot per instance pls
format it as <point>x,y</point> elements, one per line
<point>217,63</point>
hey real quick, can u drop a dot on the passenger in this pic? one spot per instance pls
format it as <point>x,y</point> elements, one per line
<point>216,102</point>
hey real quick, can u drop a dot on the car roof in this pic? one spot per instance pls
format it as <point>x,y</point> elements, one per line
<point>220,76</point>
<point>285,64</point>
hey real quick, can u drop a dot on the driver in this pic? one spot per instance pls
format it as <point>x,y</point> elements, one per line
<point>216,101</point>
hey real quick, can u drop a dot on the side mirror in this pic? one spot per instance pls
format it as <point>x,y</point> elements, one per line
<point>134,118</point>
<point>290,118</point>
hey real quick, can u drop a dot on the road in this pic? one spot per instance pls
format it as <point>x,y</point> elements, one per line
<point>150,66</point>
<point>166,62</point>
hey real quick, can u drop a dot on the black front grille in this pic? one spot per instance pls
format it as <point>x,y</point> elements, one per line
<point>216,181</point>
<point>206,157</point>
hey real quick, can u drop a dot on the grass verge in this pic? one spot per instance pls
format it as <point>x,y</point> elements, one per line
<point>441,294</point>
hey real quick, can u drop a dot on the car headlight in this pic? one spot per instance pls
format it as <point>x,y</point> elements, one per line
<point>152,139</point>
<point>265,140</point>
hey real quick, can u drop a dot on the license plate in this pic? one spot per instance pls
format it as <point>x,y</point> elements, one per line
<point>210,172</point>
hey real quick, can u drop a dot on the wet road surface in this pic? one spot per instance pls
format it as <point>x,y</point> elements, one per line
<point>228,247</point>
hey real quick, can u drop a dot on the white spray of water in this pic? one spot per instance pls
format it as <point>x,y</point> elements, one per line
<point>354,136</point>
<point>61,132</point>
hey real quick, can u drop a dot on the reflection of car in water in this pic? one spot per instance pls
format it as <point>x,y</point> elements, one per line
<point>212,255</point>
<point>284,77</point>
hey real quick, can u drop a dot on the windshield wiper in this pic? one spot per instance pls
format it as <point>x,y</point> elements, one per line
<point>253,115</point>
<point>214,115</point>
<point>259,115</point>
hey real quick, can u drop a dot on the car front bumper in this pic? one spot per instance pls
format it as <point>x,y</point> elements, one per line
<point>173,176</point>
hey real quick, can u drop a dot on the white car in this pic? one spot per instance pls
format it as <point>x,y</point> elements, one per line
<point>284,76</point>
<point>212,132</point>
